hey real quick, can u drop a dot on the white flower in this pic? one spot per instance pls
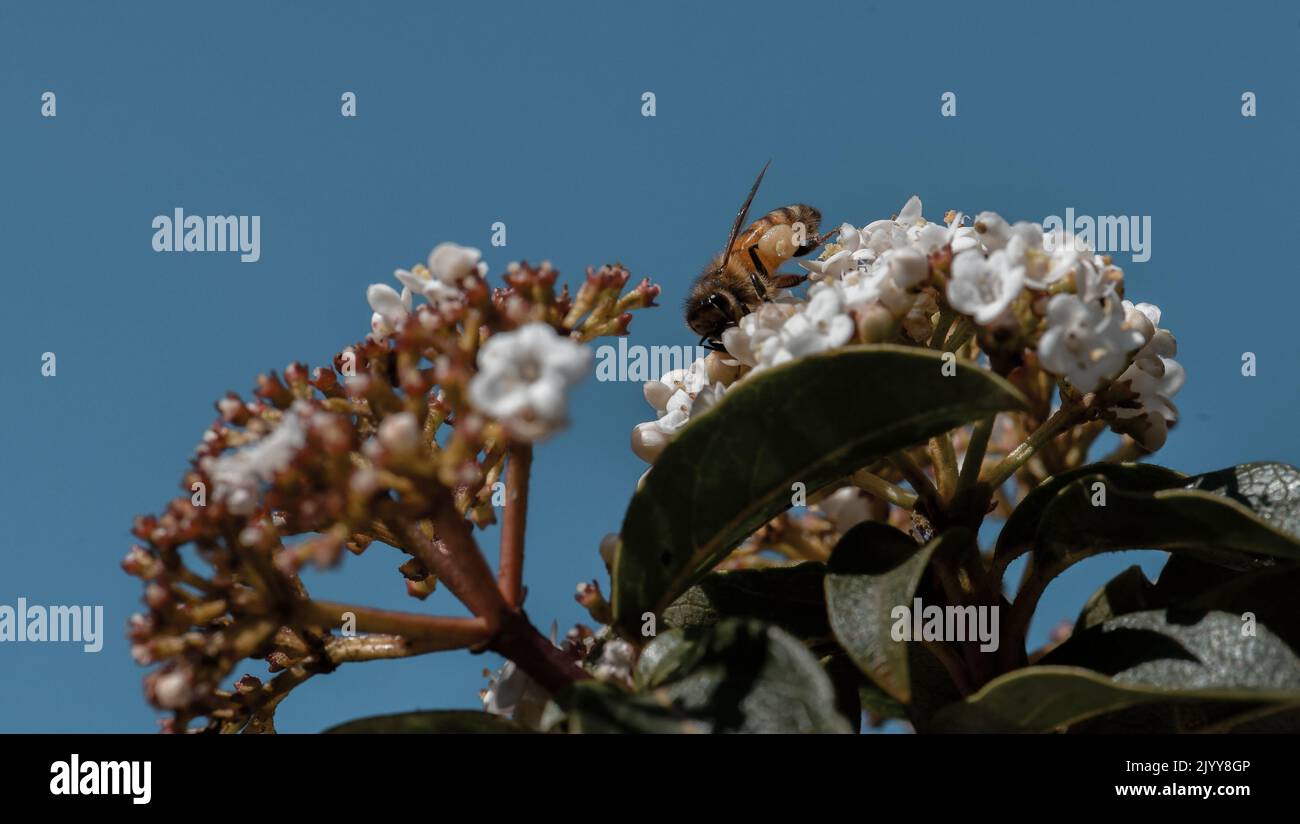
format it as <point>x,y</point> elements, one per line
<point>690,380</point>
<point>1154,378</point>
<point>1156,343</point>
<point>932,237</point>
<point>882,235</point>
<point>450,263</point>
<point>434,290</point>
<point>390,308</point>
<point>648,440</point>
<point>524,376</point>
<point>984,287</point>
<point>819,325</point>
<point>1086,342</point>
<point>757,332</point>
<point>238,477</point>
<point>837,265</point>
<point>1149,423</point>
<point>513,693</point>
<point>439,283</point>
<point>617,657</point>
<point>676,397</point>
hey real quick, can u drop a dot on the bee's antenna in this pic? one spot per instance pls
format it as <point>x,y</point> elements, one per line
<point>740,217</point>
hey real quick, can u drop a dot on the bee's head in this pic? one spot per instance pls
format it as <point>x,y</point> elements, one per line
<point>710,312</point>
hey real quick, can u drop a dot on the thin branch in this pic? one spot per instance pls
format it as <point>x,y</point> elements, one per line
<point>1060,420</point>
<point>975,450</point>
<point>916,476</point>
<point>510,571</point>
<point>944,460</point>
<point>883,489</point>
<point>453,555</point>
<point>441,632</point>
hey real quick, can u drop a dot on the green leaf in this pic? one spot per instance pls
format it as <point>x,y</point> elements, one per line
<point>1019,532</point>
<point>1042,698</point>
<point>873,570</point>
<point>431,721</point>
<point>739,675</point>
<point>1270,490</point>
<point>1130,591</point>
<point>1218,529</point>
<point>790,597</point>
<point>1173,650</point>
<point>811,421</point>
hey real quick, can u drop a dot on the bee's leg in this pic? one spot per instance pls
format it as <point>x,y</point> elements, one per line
<point>816,242</point>
<point>788,281</point>
<point>760,288</point>
<point>712,346</point>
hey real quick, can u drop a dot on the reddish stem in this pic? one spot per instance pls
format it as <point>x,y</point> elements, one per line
<point>547,664</point>
<point>510,575</point>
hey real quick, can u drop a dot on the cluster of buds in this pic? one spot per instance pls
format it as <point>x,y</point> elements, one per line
<point>405,439</point>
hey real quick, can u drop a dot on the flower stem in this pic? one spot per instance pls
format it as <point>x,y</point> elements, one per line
<point>920,482</point>
<point>883,489</point>
<point>1060,420</point>
<point>547,664</point>
<point>510,573</point>
<point>452,554</point>
<point>979,443</point>
<point>944,460</point>
<point>444,632</point>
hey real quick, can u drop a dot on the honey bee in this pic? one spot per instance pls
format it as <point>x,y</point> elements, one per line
<point>744,274</point>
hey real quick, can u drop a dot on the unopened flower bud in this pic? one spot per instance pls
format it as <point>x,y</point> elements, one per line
<point>400,434</point>
<point>648,440</point>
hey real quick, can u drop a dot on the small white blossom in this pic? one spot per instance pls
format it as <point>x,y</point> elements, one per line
<point>677,397</point>
<point>984,287</point>
<point>749,340</point>
<point>513,693</point>
<point>524,376</point>
<point>1154,378</point>
<point>1086,342</point>
<point>615,663</point>
<point>450,263</point>
<point>390,308</point>
<point>1149,423</point>
<point>819,325</point>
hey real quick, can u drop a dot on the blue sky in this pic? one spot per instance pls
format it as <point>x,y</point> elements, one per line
<point>530,114</point>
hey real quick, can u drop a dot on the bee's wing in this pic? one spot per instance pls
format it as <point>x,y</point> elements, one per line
<point>740,216</point>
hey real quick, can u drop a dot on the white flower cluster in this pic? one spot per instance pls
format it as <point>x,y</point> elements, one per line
<point>676,396</point>
<point>880,278</point>
<point>439,283</point>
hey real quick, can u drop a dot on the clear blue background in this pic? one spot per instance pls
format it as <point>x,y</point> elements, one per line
<point>530,114</point>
